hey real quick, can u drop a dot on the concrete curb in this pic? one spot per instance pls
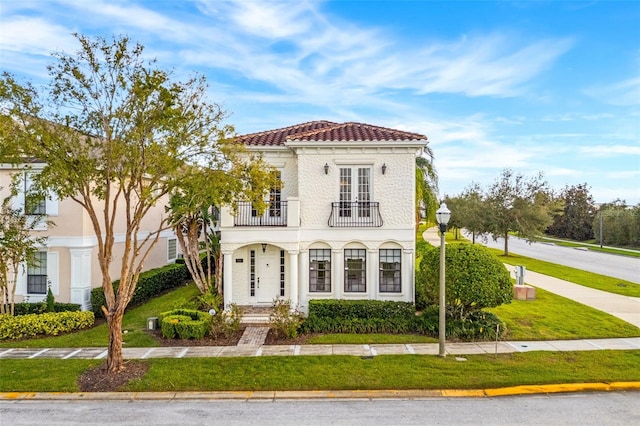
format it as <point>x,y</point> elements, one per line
<point>323,394</point>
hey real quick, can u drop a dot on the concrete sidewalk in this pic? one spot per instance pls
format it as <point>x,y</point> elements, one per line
<point>624,307</point>
<point>464,348</point>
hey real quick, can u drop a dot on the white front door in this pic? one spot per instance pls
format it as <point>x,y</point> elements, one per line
<point>267,274</point>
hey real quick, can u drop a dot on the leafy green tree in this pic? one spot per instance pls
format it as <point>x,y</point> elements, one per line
<point>468,211</point>
<point>116,133</point>
<point>426,187</point>
<point>575,221</point>
<point>475,279</point>
<point>246,177</point>
<point>620,224</point>
<point>523,206</point>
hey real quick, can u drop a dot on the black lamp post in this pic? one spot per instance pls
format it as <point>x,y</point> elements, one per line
<point>443,214</point>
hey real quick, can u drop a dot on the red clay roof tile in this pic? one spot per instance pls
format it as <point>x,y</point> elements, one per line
<point>325,131</point>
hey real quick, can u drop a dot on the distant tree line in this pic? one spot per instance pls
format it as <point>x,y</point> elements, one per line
<point>529,208</point>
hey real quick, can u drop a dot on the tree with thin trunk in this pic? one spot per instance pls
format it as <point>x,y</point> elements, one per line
<point>523,206</point>
<point>115,132</point>
<point>244,177</point>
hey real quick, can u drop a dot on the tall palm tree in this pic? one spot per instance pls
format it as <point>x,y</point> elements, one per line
<point>426,186</point>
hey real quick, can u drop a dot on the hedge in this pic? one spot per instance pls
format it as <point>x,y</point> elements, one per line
<point>359,316</point>
<point>25,308</point>
<point>478,325</point>
<point>51,323</point>
<point>185,324</point>
<point>150,284</point>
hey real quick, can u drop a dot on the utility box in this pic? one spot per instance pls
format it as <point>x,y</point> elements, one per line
<point>520,272</point>
<point>152,323</point>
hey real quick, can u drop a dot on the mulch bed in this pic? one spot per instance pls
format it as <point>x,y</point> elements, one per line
<point>220,340</point>
<point>98,380</point>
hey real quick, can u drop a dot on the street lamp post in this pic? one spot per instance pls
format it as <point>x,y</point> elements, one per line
<point>442,217</point>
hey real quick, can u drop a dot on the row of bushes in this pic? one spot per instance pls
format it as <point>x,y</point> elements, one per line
<point>25,308</point>
<point>150,284</point>
<point>372,316</point>
<point>50,323</point>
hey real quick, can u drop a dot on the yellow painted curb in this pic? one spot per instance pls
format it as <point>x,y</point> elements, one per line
<point>328,394</point>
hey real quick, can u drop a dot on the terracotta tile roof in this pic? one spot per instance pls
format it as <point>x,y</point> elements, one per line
<point>327,131</point>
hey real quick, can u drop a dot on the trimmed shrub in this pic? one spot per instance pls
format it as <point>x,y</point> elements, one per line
<point>50,323</point>
<point>359,316</point>
<point>150,284</point>
<point>25,308</point>
<point>478,325</point>
<point>284,322</point>
<point>50,302</point>
<point>475,279</point>
<point>184,324</point>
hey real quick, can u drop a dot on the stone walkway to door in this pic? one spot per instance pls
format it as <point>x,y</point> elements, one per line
<point>253,336</point>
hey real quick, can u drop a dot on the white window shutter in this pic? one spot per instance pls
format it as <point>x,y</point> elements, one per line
<point>18,201</point>
<point>21,281</point>
<point>52,204</point>
<point>52,271</point>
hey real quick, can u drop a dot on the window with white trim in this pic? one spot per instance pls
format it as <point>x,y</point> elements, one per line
<point>172,248</point>
<point>319,270</point>
<point>355,270</point>
<point>390,270</point>
<point>37,274</point>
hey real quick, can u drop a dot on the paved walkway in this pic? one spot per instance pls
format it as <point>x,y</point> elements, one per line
<point>253,336</point>
<point>466,348</point>
<point>624,307</point>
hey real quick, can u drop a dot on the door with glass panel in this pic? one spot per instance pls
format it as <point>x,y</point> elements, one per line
<point>355,194</point>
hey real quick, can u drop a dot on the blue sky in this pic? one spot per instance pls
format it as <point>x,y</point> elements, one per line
<point>529,85</point>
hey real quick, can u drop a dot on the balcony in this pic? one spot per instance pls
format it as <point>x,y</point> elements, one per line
<point>357,214</point>
<point>274,215</point>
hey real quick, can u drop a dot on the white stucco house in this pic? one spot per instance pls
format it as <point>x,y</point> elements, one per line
<point>341,226</point>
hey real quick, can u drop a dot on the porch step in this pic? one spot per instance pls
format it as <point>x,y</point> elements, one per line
<point>256,314</point>
<point>253,336</point>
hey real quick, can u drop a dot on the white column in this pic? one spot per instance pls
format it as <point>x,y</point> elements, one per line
<point>227,279</point>
<point>409,275</point>
<point>80,276</point>
<point>293,278</point>
<point>303,279</point>
<point>373,262</point>
<point>337,273</point>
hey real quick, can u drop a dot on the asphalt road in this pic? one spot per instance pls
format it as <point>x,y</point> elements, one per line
<point>611,408</point>
<point>623,267</point>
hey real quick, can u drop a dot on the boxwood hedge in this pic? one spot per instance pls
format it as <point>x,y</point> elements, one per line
<point>150,284</point>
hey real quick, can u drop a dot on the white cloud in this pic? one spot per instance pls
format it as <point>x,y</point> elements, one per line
<point>610,150</point>
<point>623,93</point>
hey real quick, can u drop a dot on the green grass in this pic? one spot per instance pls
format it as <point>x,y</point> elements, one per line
<point>577,276</point>
<point>590,246</point>
<point>339,372</point>
<point>369,339</point>
<point>133,325</point>
<point>553,317</point>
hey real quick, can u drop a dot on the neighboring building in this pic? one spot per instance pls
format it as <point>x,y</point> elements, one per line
<point>342,224</point>
<point>69,260</point>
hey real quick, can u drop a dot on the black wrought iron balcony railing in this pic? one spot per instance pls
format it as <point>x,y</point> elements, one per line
<point>355,214</point>
<point>274,215</point>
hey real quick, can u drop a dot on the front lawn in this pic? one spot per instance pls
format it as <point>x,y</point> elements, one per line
<point>337,372</point>
<point>577,276</point>
<point>553,317</point>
